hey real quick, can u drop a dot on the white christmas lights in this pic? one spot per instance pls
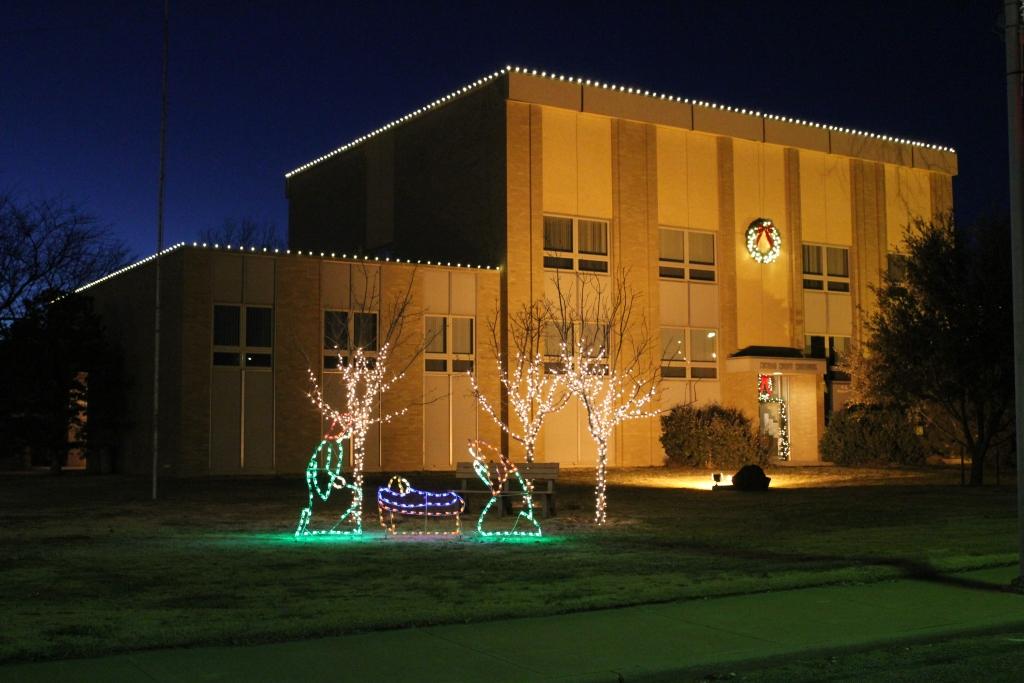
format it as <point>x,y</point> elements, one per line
<point>365,380</point>
<point>494,475</point>
<point>766,394</point>
<point>611,396</point>
<point>763,229</point>
<point>398,499</point>
<point>331,467</point>
<point>605,86</point>
<point>533,395</point>
<point>287,252</point>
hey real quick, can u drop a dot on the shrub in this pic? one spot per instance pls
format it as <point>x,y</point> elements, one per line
<point>712,436</point>
<point>862,435</point>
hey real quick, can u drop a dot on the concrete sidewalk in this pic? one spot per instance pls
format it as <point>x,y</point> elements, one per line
<point>609,645</point>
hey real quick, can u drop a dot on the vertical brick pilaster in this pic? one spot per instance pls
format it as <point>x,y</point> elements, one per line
<point>793,220</point>
<point>727,245</point>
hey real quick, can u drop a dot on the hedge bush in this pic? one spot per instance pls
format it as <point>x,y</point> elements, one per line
<point>712,436</point>
<point>869,436</point>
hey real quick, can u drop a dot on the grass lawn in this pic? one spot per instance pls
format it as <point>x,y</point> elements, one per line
<point>989,657</point>
<point>90,566</point>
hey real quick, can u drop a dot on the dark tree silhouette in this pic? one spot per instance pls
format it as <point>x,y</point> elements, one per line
<point>51,358</point>
<point>246,232</point>
<point>49,246</point>
<point>942,337</point>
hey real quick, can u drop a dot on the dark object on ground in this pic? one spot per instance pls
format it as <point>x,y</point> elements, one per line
<point>750,478</point>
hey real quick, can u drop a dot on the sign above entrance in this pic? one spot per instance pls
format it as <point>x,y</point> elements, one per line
<point>763,240</point>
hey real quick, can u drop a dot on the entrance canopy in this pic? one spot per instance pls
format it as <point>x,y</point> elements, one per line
<point>771,360</point>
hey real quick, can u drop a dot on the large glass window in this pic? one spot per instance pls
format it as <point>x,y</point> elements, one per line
<point>364,331</point>
<point>682,248</point>
<point>832,348</point>
<point>896,267</point>
<point>347,330</point>
<point>557,233</point>
<point>826,268</point>
<point>230,327</point>
<point>462,335</point>
<point>595,338</point>
<point>593,237</point>
<point>436,334</point>
<point>587,252</point>
<point>673,352</point>
<point>336,330</point>
<point>259,330</point>
<point>226,325</point>
<point>449,344</point>
<point>555,335</point>
<point>689,352</point>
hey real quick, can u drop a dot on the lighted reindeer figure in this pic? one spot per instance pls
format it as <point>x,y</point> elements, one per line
<point>495,474</point>
<point>324,480</point>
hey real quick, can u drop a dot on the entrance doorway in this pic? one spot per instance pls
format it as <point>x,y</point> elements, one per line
<point>773,411</point>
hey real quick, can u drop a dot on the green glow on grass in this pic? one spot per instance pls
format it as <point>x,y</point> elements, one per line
<point>273,540</point>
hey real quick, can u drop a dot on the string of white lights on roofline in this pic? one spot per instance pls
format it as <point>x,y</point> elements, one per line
<point>284,252</point>
<point>607,86</point>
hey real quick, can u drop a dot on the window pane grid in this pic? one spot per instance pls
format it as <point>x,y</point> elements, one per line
<point>449,344</point>
<point>576,244</point>
<point>243,336</point>
<point>689,352</point>
<point>693,248</point>
<point>344,331</point>
<point>557,233</point>
<point>826,268</point>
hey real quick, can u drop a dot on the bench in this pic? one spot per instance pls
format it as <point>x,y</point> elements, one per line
<point>542,474</point>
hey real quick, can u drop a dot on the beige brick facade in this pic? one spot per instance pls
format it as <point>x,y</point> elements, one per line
<point>473,179</point>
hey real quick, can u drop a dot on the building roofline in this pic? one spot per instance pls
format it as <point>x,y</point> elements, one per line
<point>576,80</point>
<point>268,251</point>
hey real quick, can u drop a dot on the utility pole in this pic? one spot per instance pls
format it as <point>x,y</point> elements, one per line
<point>159,248</point>
<point>1013,10</point>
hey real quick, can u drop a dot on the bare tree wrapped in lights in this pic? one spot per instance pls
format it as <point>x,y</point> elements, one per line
<point>532,393</point>
<point>606,359</point>
<point>367,373</point>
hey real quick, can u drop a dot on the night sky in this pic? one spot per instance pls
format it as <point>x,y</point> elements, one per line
<point>259,88</point>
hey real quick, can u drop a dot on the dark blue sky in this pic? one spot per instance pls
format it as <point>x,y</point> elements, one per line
<point>257,88</point>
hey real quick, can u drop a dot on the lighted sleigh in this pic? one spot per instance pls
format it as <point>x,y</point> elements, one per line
<point>398,503</point>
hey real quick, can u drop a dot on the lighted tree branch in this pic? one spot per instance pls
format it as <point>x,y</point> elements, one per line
<point>367,376</point>
<point>606,359</point>
<point>531,392</point>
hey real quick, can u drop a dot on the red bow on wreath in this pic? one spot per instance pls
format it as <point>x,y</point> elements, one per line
<point>765,229</point>
<point>766,385</point>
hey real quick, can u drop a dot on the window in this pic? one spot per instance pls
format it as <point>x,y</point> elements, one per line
<point>682,248</point>
<point>689,352</point>
<point>826,268</point>
<point>831,348</point>
<point>673,352</point>
<point>226,325</point>
<point>588,252</point>
<point>229,331</point>
<point>556,334</point>
<point>258,326</point>
<point>896,267</point>
<point>345,331</point>
<point>364,331</point>
<point>449,344</point>
<point>336,330</point>
<point>595,338</point>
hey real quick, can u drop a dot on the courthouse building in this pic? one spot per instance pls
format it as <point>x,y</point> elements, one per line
<point>752,239</point>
